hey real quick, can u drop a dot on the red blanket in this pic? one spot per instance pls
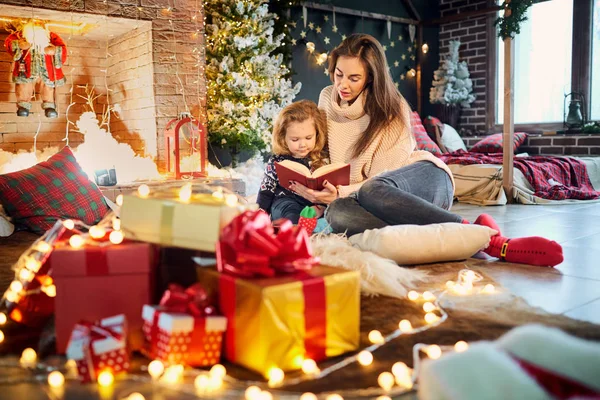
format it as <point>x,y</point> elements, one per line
<point>552,177</point>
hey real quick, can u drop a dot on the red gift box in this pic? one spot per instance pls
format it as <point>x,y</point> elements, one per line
<point>100,346</point>
<point>95,282</point>
<point>179,338</point>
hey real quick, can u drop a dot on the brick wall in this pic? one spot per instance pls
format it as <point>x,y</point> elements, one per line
<point>161,60</point>
<point>472,33</point>
<point>568,145</point>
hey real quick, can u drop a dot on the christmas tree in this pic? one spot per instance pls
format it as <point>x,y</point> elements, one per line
<point>451,82</point>
<point>247,84</point>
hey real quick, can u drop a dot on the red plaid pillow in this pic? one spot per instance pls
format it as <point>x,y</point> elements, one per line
<point>424,142</point>
<point>493,143</point>
<point>55,189</point>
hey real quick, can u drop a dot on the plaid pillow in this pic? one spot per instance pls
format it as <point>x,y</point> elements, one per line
<point>55,189</point>
<point>493,143</point>
<point>430,123</point>
<point>424,142</point>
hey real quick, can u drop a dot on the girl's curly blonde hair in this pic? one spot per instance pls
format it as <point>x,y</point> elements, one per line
<point>300,111</point>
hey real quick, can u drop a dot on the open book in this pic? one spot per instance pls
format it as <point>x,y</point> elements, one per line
<point>336,174</point>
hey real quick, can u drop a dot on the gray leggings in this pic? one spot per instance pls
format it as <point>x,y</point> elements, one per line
<point>418,194</point>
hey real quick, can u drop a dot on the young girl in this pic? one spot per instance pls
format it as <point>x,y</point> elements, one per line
<point>299,134</point>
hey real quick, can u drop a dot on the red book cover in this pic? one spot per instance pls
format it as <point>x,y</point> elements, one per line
<point>336,174</point>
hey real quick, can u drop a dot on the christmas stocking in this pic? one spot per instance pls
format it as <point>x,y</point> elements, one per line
<point>308,219</point>
<point>533,250</point>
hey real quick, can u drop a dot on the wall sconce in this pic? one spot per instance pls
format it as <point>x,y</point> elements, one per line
<point>310,46</point>
<point>425,48</point>
<point>321,58</point>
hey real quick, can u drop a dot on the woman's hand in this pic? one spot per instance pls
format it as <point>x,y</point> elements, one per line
<point>325,196</point>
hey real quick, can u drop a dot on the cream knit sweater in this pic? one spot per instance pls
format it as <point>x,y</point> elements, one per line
<point>395,148</point>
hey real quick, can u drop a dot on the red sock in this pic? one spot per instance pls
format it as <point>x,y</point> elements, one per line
<point>487,220</point>
<point>466,222</point>
<point>533,250</point>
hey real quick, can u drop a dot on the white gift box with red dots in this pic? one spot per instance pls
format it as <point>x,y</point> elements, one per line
<point>95,350</point>
<point>178,338</point>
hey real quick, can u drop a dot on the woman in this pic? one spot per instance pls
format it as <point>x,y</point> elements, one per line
<point>391,183</point>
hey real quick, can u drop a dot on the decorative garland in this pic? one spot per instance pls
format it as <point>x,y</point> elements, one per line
<point>514,14</point>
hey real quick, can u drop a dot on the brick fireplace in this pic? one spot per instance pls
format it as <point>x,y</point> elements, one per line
<point>145,53</point>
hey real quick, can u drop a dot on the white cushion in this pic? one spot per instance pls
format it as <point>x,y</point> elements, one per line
<point>452,140</point>
<point>422,244</point>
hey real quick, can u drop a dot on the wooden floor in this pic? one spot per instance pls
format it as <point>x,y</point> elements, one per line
<point>573,287</point>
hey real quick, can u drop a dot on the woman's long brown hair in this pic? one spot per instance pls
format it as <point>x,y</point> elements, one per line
<point>383,100</point>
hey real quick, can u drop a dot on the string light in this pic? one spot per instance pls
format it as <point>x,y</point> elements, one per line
<point>16,286</point>
<point>461,346</point>
<point>69,224</point>
<point>2,318</point>
<point>450,284</point>
<point>252,393</point>
<point>185,193</point>
<point>231,200</point>
<point>136,396</point>
<point>386,380</point>
<point>275,376</point>
<point>1,336</point>
<point>119,200</point>
<point>218,371</point>
<point>310,46</point>
<point>76,241</point>
<point>376,337</point>
<point>365,358</point>
<point>488,289</point>
<point>105,378</point>
<point>400,369</point>
<point>97,232</point>
<point>309,366</point>
<point>428,306</point>
<point>334,396</point>
<point>116,237</point>
<point>143,191</point>
<point>425,48</point>
<point>308,396</point>
<point>33,265</point>
<point>56,379</point>
<point>428,296</point>
<point>430,318</point>
<point>44,247</point>
<point>434,351</point>
<point>405,326</point>
<point>28,357</point>
<point>413,295</point>
<point>202,382</point>
<point>50,290</point>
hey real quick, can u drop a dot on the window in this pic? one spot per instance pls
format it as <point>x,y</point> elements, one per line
<point>595,71</point>
<point>543,62</point>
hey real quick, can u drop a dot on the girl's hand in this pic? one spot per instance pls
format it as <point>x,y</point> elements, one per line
<point>325,196</point>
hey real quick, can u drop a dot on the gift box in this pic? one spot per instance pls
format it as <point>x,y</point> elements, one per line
<point>179,338</point>
<point>95,282</point>
<point>99,346</point>
<point>279,321</point>
<point>162,218</point>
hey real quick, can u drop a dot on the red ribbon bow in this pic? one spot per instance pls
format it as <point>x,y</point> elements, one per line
<point>249,247</point>
<point>192,300</point>
<point>95,331</point>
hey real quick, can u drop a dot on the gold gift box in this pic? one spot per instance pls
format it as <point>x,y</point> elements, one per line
<point>162,218</point>
<point>279,322</point>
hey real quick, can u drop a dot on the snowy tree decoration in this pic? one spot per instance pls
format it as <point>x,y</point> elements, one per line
<point>246,82</point>
<point>451,82</point>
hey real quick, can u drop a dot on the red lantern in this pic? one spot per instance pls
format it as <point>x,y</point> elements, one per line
<point>185,140</point>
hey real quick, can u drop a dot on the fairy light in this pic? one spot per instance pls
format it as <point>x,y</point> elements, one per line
<point>310,46</point>
<point>44,247</point>
<point>376,337</point>
<point>405,326</point>
<point>252,393</point>
<point>383,398</point>
<point>365,358</point>
<point>105,378</point>
<point>434,351</point>
<point>386,381</point>
<point>97,232</point>
<point>461,346</point>
<point>143,190</point>
<point>214,383</point>
<point>450,284</point>
<point>33,265</point>
<point>218,195</point>
<point>2,318</point>
<point>430,318</point>
<point>488,289</point>
<point>218,371</point>
<point>308,396</point>
<point>201,382</point>
<point>116,237</point>
<point>265,395</point>
<point>275,376</point>
<point>16,286</point>
<point>28,357</point>
<point>76,241</point>
<point>400,369</point>
<point>428,296</point>
<point>116,224</point>
<point>413,295</point>
<point>56,379</point>
<point>119,200</point>
<point>26,275</point>
<point>428,306</point>
<point>11,296</point>
<point>136,396</point>
<point>231,200</point>
<point>69,224</point>
<point>1,336</point>
<point>334,396</point>
<point>50,290</point>
<point>309,366</point>
<point>172,374</point>
<point>185,193</point>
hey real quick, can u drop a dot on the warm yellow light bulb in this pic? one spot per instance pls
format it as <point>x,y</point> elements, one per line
<point>461,346</point>
<point>383,398</point>
<point>201,382</point>
<point>449,284</point>
<point>386,380</point>
<point>11,296</point>
<point>308,396</point>
<point>265,395</point>
<point>16,286</point>
<point>28,356</point>
<point>218,195</point>
<point>309,366</point>
<point>69,224</point>
<point>56,379</point>
<point>459,289</point>
<point>185,193</point>
<point>2,318</point>
<point>434,351</point>
<point>275,376</point>
<point>469,276</point>
<point>43,247</point>
<point>1,336</point>
<point>489,288</point>
<point>119,200</point>
<point>428,306</point>
<point>116,224</point>
<point>26,275</point>
<point>428,296</point>
<point>252,393</point>
<point>310,46</point>
<point>400,369</point>
<point>218,370</point>
<point>76,241</point>
<point>413,295</point>
<point>430,318</point>
<point>105,378</point>
<point>405,326</point>
<point>33,265</point>
<point>171,375</point>
<point>334,396</point>
<point>365,358</point>
<point>156,369</point>
<point>116,237</point>
<point>136,396</point>
<point>376,337</point>
<point>50,290</point>
<point>425,48</point>
<point>231,200</point>
<point>97,232</point>
<point>143,190</point>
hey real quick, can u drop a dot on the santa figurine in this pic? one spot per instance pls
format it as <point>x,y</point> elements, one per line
<point>38,56</point>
